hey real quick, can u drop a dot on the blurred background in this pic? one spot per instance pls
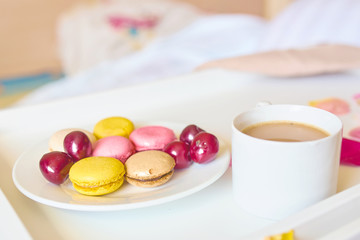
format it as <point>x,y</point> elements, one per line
<point>31,55</point>
<point>60,48</point>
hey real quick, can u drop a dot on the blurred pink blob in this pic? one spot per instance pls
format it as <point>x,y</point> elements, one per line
<point>334,105</point>
<point>119,22</point>
<point>355,133</point>
<point>356,97</point>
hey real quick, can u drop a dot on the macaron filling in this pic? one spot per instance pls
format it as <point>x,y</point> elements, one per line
<point>152,179</point>
<point>100,190</point>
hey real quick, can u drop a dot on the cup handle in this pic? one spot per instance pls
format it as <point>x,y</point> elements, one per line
<point>263,104</point>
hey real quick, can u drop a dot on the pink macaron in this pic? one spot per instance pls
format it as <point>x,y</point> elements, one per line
<point>117,147</point>
<point>151,137</point>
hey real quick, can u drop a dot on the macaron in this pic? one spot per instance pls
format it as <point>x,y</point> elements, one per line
<point>113,126</point>
<point>117,147</point>
<point>97,175</point>
<point>149,168</point>
<point>152,137</point>
<point>56,142</point>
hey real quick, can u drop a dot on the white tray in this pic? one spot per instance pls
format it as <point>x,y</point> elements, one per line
<point>210,99</point>
<point>334,218</point>
<point>11,226</point>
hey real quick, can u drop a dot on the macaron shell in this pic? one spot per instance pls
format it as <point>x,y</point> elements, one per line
<point>152,137</point>
<point>97,172</point>
<point>150,183</point>
<point>56,141</point>
<point>101,190</point>
<point>149,165</point>
<point>113,126</point>
<point>117,147</point>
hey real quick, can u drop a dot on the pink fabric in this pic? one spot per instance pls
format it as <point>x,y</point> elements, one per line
<point>350,152</point>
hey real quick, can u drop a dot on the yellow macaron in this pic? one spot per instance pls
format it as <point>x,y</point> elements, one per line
<point>113,126</point>
<point>97,175</point>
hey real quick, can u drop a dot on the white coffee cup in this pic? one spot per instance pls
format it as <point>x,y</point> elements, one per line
<point>274,179</point>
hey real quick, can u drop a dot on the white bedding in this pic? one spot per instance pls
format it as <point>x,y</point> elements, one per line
<point>308,22</point>
<point>208,38</point>
<point>304,23</point>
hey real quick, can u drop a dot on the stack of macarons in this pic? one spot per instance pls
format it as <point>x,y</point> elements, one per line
<point>120,150</point>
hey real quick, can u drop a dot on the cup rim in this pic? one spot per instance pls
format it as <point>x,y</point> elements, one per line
<point>338,122</point>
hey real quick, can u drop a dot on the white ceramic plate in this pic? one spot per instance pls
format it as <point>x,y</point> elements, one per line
<point>29,180</point>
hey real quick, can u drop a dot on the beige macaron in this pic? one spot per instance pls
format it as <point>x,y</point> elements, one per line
<point>149,168</point>
<point>56,142</point>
